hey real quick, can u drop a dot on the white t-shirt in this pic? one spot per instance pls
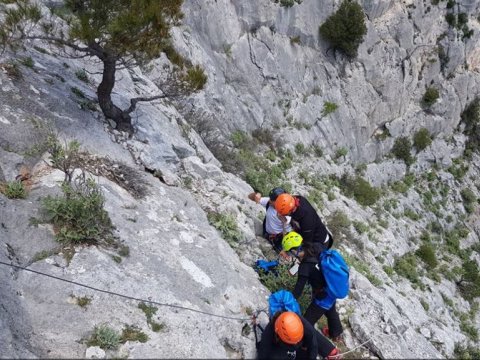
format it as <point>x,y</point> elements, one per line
<point>273,224</point>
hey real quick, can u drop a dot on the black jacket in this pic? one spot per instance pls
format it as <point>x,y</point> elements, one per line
<point>270,348</point>
<point>311,226</point>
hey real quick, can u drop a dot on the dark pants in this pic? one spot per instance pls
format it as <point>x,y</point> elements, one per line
<point>315,312</point>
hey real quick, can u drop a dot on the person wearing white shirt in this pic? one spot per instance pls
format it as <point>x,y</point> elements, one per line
<point>275,226</point>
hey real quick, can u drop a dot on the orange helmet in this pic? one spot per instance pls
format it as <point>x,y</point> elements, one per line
<point>284,204</point>
<point>289,328</point>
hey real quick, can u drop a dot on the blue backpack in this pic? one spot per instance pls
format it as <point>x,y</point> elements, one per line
<point>336,273</point>
<point>282,300</point>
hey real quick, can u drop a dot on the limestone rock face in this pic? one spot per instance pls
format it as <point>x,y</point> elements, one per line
<point>267,68</point>
<point>290,80</point>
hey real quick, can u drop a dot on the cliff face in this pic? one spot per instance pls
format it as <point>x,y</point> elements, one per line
<point>267,68</point>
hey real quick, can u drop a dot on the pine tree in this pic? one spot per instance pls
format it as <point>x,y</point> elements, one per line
<point>345,29</point>
<point>121,33</point>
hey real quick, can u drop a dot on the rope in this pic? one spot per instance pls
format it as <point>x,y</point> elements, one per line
<point>356,347</point>
<point>124,296</point>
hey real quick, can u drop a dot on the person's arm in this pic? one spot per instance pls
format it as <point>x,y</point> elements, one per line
<point>309,339</point>
<point>255,196</point>
<point>265,343</point>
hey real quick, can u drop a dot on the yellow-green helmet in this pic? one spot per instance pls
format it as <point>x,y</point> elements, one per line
<point>291,240</point>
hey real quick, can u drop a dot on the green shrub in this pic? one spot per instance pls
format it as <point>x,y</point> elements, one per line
<point>14,190</point>
<point>28,62</point>
<point>451,19</point>
<point>282,280</point>
<point>450,4</point>
<point>345,29</point>
<point>81,74</point>
<point>342,152</point>
<point>360,227</point>
<point>360,189</point>
<point>288,3</point>
<point>328,108</point>
<point>240,139</point>
<point>406,266</point>
<point>195,78</point>
<point>227,225</point>
<point>264,136</point>
<point>79,216</point>
<point>469,200</point>
<point>426,252</point>
<point>471,119</point>
<point>104,337</point>
<point>339,224</point>
<point>430,97</point>
<point>133,333</point>
<point>78,92</point>
<point>469,282</point>
<point>458,170</point>
<point>466,352</point>
<point>470,330</point>
<point>422,139</point>
<point>300,148</point>
<point>411,214</point>
<point>424,304</point>
<point>402,150</point>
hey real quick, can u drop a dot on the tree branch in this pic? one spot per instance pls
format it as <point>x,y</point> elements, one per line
<point>134,101</point>
<point>88,49</point>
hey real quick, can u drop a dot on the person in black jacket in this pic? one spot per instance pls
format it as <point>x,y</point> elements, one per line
<point>311,227</point>
<point>290,336</point>
<point>310,271</point>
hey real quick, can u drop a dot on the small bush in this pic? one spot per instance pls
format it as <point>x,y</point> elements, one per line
<point>422,139</point>
<point>450,4</point>
<point>83,301</point>
<point>78,92</point>
<point>471,118</point>
<point>360,227</point>
<point>282,280</point>
<point>451,19</point>
<point>469,200</point>
<point>342,152</point>
<point>28,62</point>
<point>81,74</point>
<point>466,352</point>
<point>406,266</point>
<point>469,283</point>
<point>345,29</point>
<point>288,3</point>
<point>364,193</point>
<point>133,333</point>
<point>240,139</point>
<point>79,216</point>
<point>300,148</point>
<point>411,214</point>
<point>426,252</point>
<point>424,304</point>
<point>430,97</point>
<point>295,40</point>
<point>402,150</point>
<point>328,108</point>
<point>104,337</point>
<point>14,190</point>
<point>227,225</point>
<point>195,78</point>
<point>339,224</point>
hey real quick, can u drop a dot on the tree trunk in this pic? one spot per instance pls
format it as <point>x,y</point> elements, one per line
<point>104,93</point>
